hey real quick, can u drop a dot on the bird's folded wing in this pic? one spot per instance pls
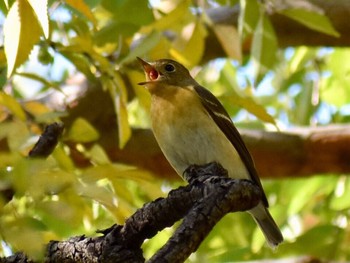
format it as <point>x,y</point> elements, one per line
<point>224,122</point>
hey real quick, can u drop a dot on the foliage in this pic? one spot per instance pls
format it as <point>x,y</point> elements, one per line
<point>48,43</point>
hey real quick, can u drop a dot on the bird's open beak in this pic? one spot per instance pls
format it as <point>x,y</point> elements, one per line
<point>151,73</point>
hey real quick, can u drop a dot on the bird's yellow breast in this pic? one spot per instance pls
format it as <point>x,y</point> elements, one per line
<point>188,135</point>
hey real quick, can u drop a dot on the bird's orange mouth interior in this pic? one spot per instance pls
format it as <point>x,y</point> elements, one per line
<point>153,74</point>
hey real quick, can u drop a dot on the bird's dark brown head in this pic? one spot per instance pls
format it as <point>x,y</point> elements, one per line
<point>166,72</point>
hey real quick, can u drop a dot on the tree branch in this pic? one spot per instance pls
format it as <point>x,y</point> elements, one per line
<point>47,141</point>
<point>296,153</point>
<point>209,196</point>
<point>289,32</point>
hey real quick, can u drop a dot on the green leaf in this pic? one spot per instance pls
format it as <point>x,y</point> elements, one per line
<point>107,34</point>
<point>25,234</point>
<point>99,194</point>
<point>82,131</point>
<point>38,177</point>
<point>61,223</point>
<point>318,241</point>
<point>233,97</point>
<point>264,47</point>
<point>341,200</point>
<point>301,56</point>
<point>144,46</point>
<point>21,32</point>
<point>335,88</point>
<point>40,79</point>
<point>304,108</point>
<point>81,63</point>
<point>303,192</point>
<point>12,104</point>
<point>248,18</point>
<point>313,20</point>
<point>131,11</point>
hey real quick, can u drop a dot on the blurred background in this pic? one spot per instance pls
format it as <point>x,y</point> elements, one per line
<point>281,69</point>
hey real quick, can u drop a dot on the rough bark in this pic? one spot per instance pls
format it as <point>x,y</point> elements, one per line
<point>294,153</point>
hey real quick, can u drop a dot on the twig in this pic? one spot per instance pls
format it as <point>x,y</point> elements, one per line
<point>47,141</point>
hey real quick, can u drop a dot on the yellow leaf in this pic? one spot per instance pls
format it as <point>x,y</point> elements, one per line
<point>36,108</point>
<point>118,92</point>
<point>62,159</point>
<point>11,104</point>
<point>251,106</point>
<point>190,52</point>
<point>99,194</point>
<point>21,32</point>
<point>17,134</point>
<point>140,91</point>
<point>123,124</point>
<point>3,62</point>
<point>98,155</point>
<point>40,9</point>
<point>178,17</point>
<point>312,19</point>
<point>229,40</point>
<point>82,131</point>
<point>83,8</point>
<point>25,234</point>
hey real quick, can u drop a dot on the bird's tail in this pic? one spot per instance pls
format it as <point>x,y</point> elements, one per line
<point>267,225</point>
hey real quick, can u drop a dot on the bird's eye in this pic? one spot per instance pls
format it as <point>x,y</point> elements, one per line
<point>169,68</point>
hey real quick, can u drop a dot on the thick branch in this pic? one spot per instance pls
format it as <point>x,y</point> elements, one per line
<point>289,33</point>
<point>295,153</point>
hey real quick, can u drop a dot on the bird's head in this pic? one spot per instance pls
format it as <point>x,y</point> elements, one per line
<point>165,72</point>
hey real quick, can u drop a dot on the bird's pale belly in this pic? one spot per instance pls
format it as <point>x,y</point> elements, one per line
<point>199,141</point>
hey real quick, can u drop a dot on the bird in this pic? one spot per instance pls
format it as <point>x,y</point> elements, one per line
<point>192,127</point>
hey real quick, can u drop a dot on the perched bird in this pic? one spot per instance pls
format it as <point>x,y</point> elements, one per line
<point>192,127</point>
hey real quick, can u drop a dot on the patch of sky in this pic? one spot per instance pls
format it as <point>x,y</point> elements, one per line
<point>324,113</point>
<point>288,53</point>
<point>294,90</point>
<point>324,51</point>
<point>265,87</point>
<point>345,110</point>
<point>312,76</point>
<point>60,14</point>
